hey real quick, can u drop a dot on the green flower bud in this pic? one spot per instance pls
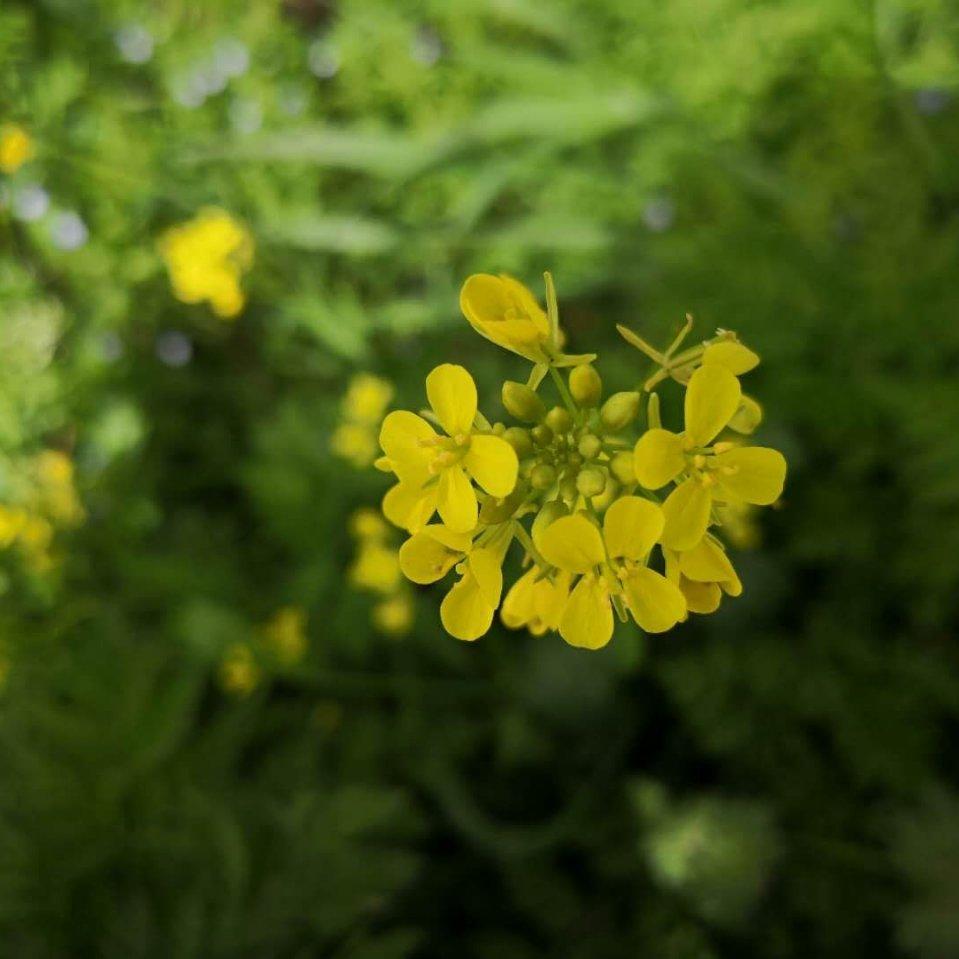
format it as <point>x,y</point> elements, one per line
<point>558,419</point>
<point>619,410</point>
<point>591,482</point>
<point>568,489</point>
<point>590,446</point>
<point>520,440</point>
<point>542,477</point>
<point>585,385</point>
<point>548,514</point>
<point>622,468</point>
<point>542,435</point>
<point>522,402</point>
<point>499,429</point>
<point>574,461</point>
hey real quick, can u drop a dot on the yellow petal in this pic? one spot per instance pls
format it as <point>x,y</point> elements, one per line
<point>588,620</point>
<point>452,394</point>
<point>572,543</point>
<point>732,355</point>
<point>506,313</point>
<point>656,604</point>
<point>712,398</point>
<point>485,568</point>
<point>492,462</point>
<point>409,507</point>
<point>456,500</point>
<point>464,612</point>
<point>658,458</point>
<point>748,417</point>
<point>687,515</point>
<point>424,559</point>
<point>550,599</point>
<point>401,436</point>
<point>451,539</point>
<point>753,474</point>
<point>702,598</point>
<point>518,607</point>
<point>707,562</point>
<point>631,527</point>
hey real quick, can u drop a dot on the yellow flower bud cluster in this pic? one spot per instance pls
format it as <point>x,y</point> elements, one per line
<point>614,515</point>
<point>45,501</point>
<point>361,412</point>
<point>206,258</point>
<point>281,642</point>
<point>376,569</point>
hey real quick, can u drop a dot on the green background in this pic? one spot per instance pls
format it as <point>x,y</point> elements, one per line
<point>779,780</point>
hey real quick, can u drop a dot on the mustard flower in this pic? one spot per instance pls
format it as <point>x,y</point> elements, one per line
<point>612,563</point>
<point>723,473</point>
<point>507,314</point>
<point>434,470</point>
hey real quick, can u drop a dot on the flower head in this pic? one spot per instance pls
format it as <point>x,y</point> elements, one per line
<point>722,472</point>
<point>612,563</point>
<point>435,470</point>
<point>206,257</point>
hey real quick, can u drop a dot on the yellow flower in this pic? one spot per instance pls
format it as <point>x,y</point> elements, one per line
<point>536,601</point>
<point>355,442</point>
<point>394,616</point>
<point>612,564</point>
<point>16,147</point>
<point>367,398</point>
<point>721,473</point>
<point>285,634</point>
<point>58,497</point>
<point>239,672</point>
<point>365,523</point>
<point>423,459</point>
<point>468,608</point>
<point>375,567</point>
<point>703,574</point>
<point>206,258</point>
<point>506,313</point>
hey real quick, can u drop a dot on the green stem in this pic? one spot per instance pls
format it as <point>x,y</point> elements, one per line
<point>564,393</point>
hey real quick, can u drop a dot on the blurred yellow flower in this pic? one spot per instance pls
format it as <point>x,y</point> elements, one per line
<point>16,147</point>
<point>206,257</point>
<point>239,672</point>
<point>285,634</point>
<point>362,409</point>
<point>394,616</point>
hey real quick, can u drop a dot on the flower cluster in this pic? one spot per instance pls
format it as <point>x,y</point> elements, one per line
<point>45,501</point>
<point>376,569</point>
<point>608,522</point>
<point>361,412</point>
<point>206,257</point>
<point>280,643</point>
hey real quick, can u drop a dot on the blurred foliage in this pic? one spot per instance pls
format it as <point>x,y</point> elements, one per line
<point>785,169</point>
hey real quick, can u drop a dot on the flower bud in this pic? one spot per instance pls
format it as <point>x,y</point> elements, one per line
<point>549,513</point>
<point>585,385</point>
<point>558,419</point>
<point>542,435</point>
<point>619,410</point>
<point>590,446</point>
<point>591,482</point>
<point>574,461</point>
<point>520,440</point>
<point>568,489</point>
<point>522,402</point>
<point>622,468</point>
<point>542,477</point>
